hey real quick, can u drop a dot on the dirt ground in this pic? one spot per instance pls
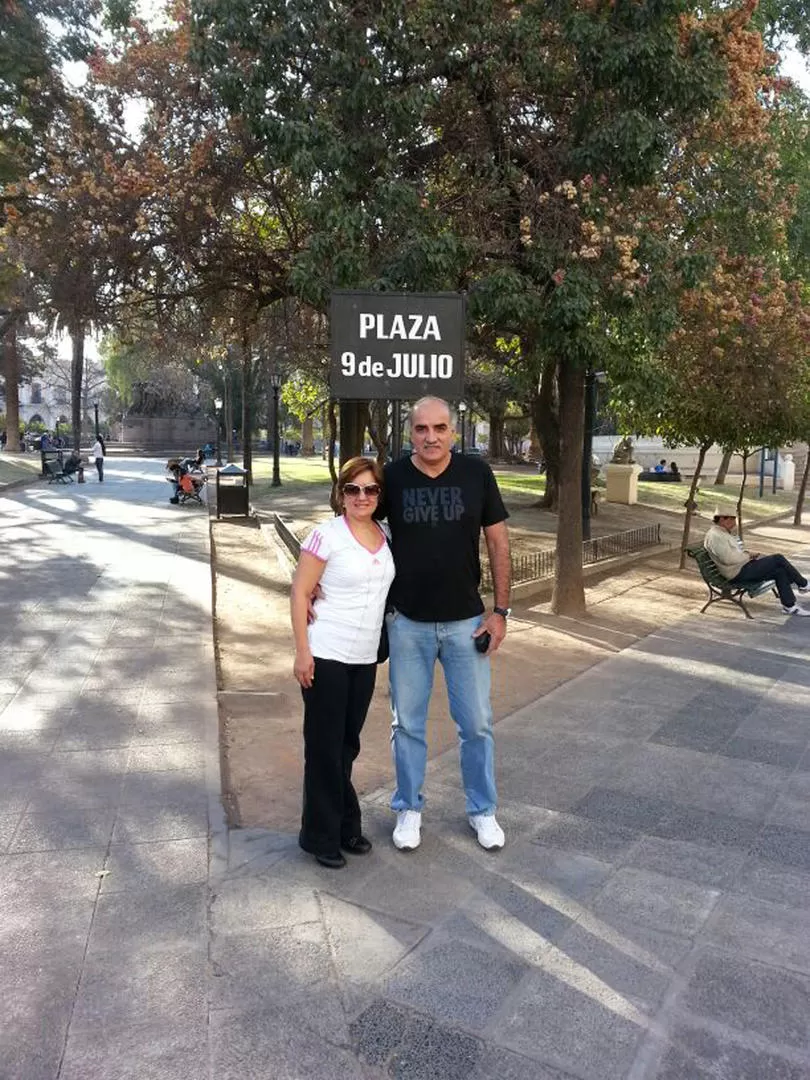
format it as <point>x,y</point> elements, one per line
<point>260,704</point>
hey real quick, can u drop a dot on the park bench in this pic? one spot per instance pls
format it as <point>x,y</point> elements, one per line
<point>53,472</point>
<point>720,588</point>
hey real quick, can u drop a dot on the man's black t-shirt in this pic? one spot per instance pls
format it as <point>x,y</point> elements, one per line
<point>435,527</point>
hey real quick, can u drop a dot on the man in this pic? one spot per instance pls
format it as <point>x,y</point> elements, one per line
<point>437,503</point>
<point>72,462</point>
<point>741,567</point>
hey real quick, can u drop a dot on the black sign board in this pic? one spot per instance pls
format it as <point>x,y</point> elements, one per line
<point>400,346</point>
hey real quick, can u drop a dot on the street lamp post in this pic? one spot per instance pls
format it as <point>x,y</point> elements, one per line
<point>592,381</point>
<point>462,410</point>
<point>275,382</point>
<point>95,410</point>
<point>218,409</point>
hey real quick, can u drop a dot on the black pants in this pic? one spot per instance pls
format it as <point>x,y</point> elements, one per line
<point>764,568</point>
<point>100,467</point>
<point>335,708</point>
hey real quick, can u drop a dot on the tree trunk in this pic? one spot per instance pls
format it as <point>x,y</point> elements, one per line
<point>546,420</point>
<point>535,450</point>
<point>742,494</point>
<point>331,419</point>
<point>11,373</point>
<point>307,438</point>
<point>76,381</point>
<point>497,449</point>
<point>353,419</point>
<point>568,597</point>
<point>378,428</point>
<point>228,416</point>
<point>247,419</point>
<point>724,464</point>
<point>691,504</point>
<point>797,517</point>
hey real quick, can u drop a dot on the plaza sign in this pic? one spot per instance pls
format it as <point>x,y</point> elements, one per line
<point>397,346</point>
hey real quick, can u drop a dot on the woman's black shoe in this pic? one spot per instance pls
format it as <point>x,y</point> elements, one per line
<point>357,845</point>
<point>334,862</point>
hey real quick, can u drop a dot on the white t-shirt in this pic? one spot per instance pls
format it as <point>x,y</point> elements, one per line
<point>355,585</point>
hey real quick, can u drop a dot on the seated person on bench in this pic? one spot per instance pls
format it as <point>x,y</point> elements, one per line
<point>742,567</point>
<point>72,463</point>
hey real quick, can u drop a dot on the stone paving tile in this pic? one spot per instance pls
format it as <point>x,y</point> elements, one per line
<point>762,931</point>
<point>364,945</point>
<point>567,1017</point>
<point>273,1045</point>
<point>49,878</point>
<point>459,985</point>
<point>414,889</point>
<point>633,960</point>
<point>567,873</point>
<point>173,917</point>
<point>164,1050</point>
<point>164,757</point>
<point>256,903</point>
<point>704,826</point>
<point>791,812</point>
<point>638,812</point>
<point>498,1064</point>
<point>162,788</point>
<point>258,969</point>
<point>752,997</point>
<point>586,837</point>
<point>775,882</point>
<point>34,1017</point>
<point>412,1047</point>
<point>710,866</point>
<point>786,754</point>
<point>61,830</point>
<point>697,730</point>
<point>137,824</point>
<point>156,864</point>
<point>152,986</point>
<point>655,900</point>
<point>697,1053</point>
<point>779,843</point>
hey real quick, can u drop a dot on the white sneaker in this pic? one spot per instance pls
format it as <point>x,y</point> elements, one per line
<point>490,834</point>
<point>408,829</point>
<point>795,610</point>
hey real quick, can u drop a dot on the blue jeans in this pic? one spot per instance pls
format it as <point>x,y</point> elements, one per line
<point>415,648</point>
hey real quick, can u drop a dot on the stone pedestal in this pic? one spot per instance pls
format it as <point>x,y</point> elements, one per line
<point>787,473</point>
<point>622,484</point>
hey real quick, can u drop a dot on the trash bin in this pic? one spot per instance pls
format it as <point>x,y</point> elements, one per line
<point>232,491</point>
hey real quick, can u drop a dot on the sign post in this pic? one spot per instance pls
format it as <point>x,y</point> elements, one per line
<point>397,346</point>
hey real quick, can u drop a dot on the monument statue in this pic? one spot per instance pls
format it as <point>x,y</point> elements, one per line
<point>623,452</point>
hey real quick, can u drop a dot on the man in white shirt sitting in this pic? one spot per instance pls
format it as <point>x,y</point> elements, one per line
<point>742,567</point>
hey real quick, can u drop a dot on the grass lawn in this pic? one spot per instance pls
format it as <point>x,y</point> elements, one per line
<point>297,474</point>
<point>18,467</point>
<point>522,488</point>
<point>670,496</point>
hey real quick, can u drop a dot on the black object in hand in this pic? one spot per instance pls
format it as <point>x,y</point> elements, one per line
<point>482,641</point>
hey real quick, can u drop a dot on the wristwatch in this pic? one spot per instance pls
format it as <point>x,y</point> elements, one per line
<point>505,611</point>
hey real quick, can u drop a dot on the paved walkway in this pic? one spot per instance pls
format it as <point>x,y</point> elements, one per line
<point>649,918</point>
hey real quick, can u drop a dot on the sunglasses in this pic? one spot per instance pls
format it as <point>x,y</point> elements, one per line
<point>372,490</point>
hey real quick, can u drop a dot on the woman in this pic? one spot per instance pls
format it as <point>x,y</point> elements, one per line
<point>97,452</point>
<point>336,657</point>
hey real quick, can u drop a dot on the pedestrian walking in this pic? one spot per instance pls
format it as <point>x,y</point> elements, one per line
<point>97,453</point>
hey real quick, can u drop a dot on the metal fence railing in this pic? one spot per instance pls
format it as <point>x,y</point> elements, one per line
<point>541,564</point>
